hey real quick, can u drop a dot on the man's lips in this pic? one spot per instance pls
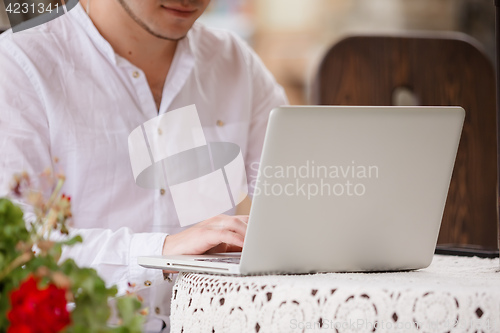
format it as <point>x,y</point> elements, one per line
<point>180,11</point>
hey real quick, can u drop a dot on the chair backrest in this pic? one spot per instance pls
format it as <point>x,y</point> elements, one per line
<point>443,69</point>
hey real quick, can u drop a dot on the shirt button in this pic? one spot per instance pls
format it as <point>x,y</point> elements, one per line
<point>135,74</point>
<point>147,283</point>
<point>220,123</point>
<point>162,191</point>
<point>157,310</point>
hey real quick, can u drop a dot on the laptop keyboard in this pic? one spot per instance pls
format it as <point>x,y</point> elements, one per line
<point>232,260</point>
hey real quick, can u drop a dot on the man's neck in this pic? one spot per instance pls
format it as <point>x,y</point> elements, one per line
<point>127,38</point>
<point>131,41</point>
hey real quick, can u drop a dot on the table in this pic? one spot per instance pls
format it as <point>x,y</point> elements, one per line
<point>454,294</point>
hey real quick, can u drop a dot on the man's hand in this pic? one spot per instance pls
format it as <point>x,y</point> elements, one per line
<point>221,233</point>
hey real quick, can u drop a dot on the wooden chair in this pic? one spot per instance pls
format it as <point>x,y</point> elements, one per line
<point>437,69</point>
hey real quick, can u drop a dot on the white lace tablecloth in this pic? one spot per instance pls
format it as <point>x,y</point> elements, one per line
<point>454,294</point>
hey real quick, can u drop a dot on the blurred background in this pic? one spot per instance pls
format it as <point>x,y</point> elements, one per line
<point>291,35</point>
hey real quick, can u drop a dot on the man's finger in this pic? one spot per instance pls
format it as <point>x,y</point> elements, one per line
<point>233,248</point>
<point>242,218</point>
<point>237,225</point>
<point>230,238</point>
<point>221,248</point>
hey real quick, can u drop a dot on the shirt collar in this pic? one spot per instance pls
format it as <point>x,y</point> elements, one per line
<point>182,63</point>
<point>79,15</point>
<point>180,69</point>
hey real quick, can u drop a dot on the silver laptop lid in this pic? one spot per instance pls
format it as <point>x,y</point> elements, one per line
<point>351,188</point>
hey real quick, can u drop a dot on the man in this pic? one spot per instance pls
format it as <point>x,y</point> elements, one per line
<point>75,87</point>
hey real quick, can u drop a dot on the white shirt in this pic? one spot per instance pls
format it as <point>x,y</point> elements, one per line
<point>65,93</point>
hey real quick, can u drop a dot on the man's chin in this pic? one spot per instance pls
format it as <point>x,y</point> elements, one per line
<point>168,32</point>
<point>167,36</point>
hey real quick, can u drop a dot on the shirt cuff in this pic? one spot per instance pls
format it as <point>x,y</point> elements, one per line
<point>145,244</point>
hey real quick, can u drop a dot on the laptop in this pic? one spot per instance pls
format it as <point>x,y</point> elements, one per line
<point>343,189</point>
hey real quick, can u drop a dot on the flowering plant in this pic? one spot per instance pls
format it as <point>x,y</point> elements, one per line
<point>37,292</point>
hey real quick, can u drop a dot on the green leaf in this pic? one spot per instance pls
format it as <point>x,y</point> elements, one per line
<point>128,311</point>
<point>72,241</point>
<point>12,231</point>
<point>57,248</point>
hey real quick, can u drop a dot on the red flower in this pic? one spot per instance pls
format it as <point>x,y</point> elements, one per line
<point>37,310</point>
